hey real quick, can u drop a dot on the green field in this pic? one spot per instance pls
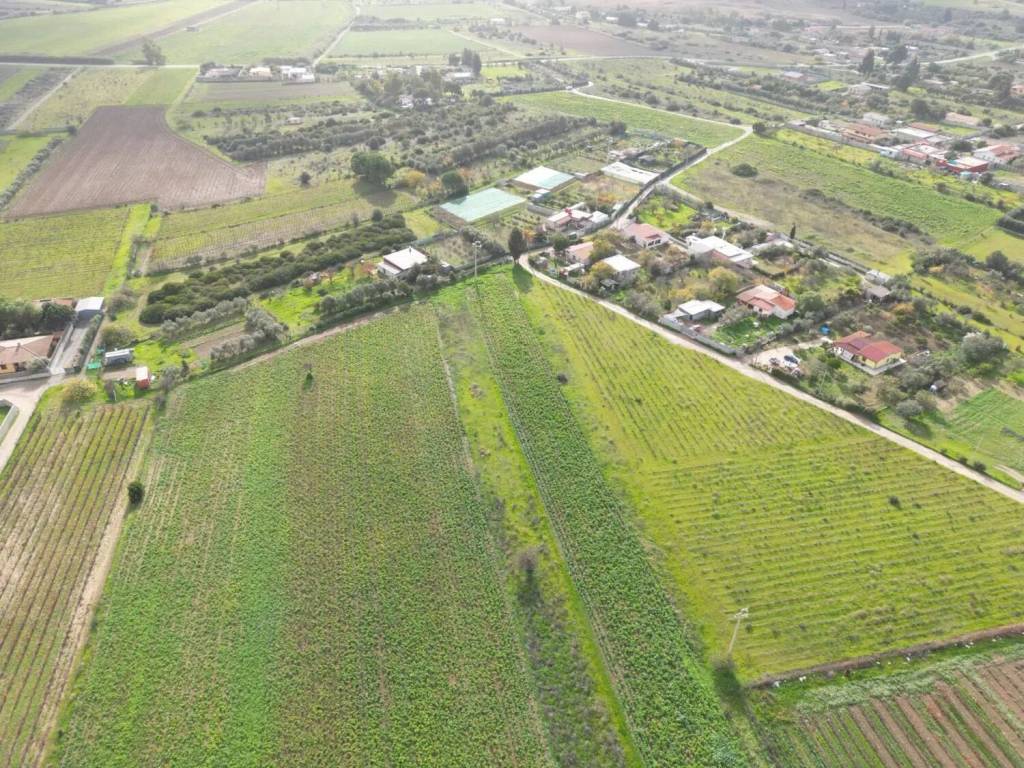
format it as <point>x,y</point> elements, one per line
<point>15,153</point>
<point>163,86</point>
<point>635,117</point>
<point>64,484</point>
<point>786,171</point>
<point>64,255</point>
<point>840,543</point>
<point>81,33</point>
<point>14,82</point>
<point>991,424</point>
<point>437,11</point>
<point>292,594</point>
<point>260,30</point>
<point>401,42</point>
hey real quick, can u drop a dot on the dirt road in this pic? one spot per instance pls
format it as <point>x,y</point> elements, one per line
<point>23,395</point>
<point>764,378</point>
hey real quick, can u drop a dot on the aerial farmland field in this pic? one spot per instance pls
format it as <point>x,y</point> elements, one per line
<point>735,484</point>
<point>64,255</point>
<point>256,31</point>
<point>403,43</point>
<point>61,500</point>
<point>636,117</point>
<point>127,155</point>
<point>15,153</point>
<point>72,103</point>
<point>83,33</point>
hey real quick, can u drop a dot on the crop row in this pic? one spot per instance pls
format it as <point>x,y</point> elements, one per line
<point>973,718</point>
<point>313,583</point>
<point>672,709</point>
<point>58,494</point>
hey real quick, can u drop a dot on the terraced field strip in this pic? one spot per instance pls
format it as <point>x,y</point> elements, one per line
<point>63,255</point>
<point>673,712</point>
<point>311,579</point>
<point>214,233</point>
<point>964,718</point>
<point>57,496</point>
<point>636,117</point>
<point>841,544</point>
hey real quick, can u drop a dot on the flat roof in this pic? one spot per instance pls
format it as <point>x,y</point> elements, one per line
<point>620,263</point>
<point>89,304</point>
<point>619,170</point>
<point>482,204</point>
<point>543,177</point>
<point>407,258</point>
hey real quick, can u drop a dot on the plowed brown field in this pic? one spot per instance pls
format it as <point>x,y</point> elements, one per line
<point>129,155</point>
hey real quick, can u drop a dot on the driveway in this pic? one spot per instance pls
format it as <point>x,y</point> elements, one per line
<point>764,378</point>
<point>23,395</point>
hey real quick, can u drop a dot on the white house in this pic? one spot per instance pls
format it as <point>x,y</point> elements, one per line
<point>401,263</point>
<point>625,269</point>
<point>699,309</point>
<point>719,249</point>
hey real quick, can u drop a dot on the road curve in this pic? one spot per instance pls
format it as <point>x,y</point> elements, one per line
<point>764,378</point>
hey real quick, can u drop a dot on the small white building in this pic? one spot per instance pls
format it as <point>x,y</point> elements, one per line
<point>877,119</point>
<point>400,263</point>
<point>698,309</point>
<point>719,249</point>
<point>88,308</point>
<point>625,269</point>
<point>260,73</point>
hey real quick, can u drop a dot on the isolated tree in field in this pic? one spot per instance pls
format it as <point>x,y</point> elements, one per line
<point>305,178</point>
<point>867,64</point>
<point>454,184</point>
<point>372,167</point>
<point>152,54</point>
<point>136,492</point>
<point>792,232</point>
<point>78,391</point>
<point>516,242</point>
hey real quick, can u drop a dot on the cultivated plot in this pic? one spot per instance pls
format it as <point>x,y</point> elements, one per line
<point>61,499</point>
<point>128,154</point>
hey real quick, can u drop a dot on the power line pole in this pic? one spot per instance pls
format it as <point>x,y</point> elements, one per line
<point>738,617</point>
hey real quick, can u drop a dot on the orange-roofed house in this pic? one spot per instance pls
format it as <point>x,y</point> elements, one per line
<point>767,302</point>
<point>867,352</point>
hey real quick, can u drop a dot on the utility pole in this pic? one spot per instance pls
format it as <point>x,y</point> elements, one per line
<point>738,617</point>
<point>477,245</point>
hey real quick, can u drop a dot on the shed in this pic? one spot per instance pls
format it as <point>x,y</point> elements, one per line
<point>118,357</point>
<point>142,377</point>
<point>88,308</point>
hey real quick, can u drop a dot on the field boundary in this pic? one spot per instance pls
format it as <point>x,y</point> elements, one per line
<point>918,650</point>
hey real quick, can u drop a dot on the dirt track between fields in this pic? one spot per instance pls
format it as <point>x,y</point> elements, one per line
<point>130,155</point>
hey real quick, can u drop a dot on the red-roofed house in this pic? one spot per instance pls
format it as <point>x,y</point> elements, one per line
<point>645,235</point>
<point>865,351</point>
<point>998,153</point>
<point>866,134</point>
<point>16,355</point>
<point>767,301</point>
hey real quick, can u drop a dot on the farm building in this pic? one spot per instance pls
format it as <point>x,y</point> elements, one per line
<point>864,133</point>
<point>645,235</point>
<point>868,353</point>
<point>625,269</point>
<point>118,357</point>
<point>998,154</point>
<point>697,309</point>
<point>481,205</point>
<point>88,308</point>
<point>17,355</point>
<point>719,249</point>
<point>142,377</point>
<point>628,173</point>
<point>967,164</point>
<point>877,119</point>
<point>964,121</point>
<point>401,263</point>
<point>543,179</point>
<point>767,301</point>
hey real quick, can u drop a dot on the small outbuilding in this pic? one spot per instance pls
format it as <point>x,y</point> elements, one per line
<point>142,377</point>
<point>698,309</point>
<point>401,263</point>
<point>118,357</point>
<point>624,269</point>
<point>88,308</point>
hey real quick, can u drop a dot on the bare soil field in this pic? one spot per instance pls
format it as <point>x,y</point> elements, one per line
<point>585,41</point>
<point>128,155</point>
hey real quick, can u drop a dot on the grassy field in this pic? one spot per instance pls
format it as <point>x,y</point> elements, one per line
<point>163,86</point>
<point>260,30</point>
<point>840,543</point>
<point>64,255</point>
<point>288,594</point>
<point>786,172</point>
<point>437,11</point>
<point>15,153</point>
<point>79,33</point>
<point>635,117</point>
<point>400,42</point>
<point>75,101</point>
<point>213,233</point>
<point>15,81</point>
<point>63,486</point>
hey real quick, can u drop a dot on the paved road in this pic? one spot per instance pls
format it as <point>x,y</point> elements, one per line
<point>25,396</point>
<point>764,378</point>
<point>982,55</point>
